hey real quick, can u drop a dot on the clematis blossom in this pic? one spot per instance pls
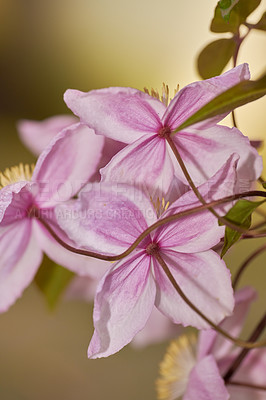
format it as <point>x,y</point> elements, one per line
<point>194,368</point>
<point>108,219</point>
<point>143,123</point>
<point>61,170</point>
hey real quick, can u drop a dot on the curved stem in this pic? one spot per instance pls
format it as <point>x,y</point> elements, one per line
<point>224,221</point>
<point>242,355</point>
<point>238,342</point>
<point>246,385</point>
<point>242,268</point>
<point>36,213</point>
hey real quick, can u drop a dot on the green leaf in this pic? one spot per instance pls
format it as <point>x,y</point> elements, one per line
<point>237,16</point>
<point>264,185</point>
<point>215,56</point>
<point>226,7</point>
<point>239,214</point>
<point>52,280</point>
<point>238,95</point>
<point>261,25</point>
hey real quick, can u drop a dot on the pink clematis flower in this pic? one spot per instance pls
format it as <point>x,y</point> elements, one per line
<point>194,369</point>
<point>61,170</point>
<point>108,218</point>
<point>143,123</point>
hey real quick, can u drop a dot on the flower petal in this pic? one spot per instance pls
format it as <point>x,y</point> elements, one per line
<point>20,259</point>
<point>157,329</point>
<point>145,162</point>
<point>107,217</point>
<point>194,96</point>
<point>14,201</point>
<point>123,114</point>
<point>205,382</point>
<point>36,135</point>
<point>81,265</point>
<point>210,341</point>
<point>66,165</point>
<point>204,279</point>
<point>205,151</point>
<point>252,370</point>
<point>199,231</point>
<point>123,304</point>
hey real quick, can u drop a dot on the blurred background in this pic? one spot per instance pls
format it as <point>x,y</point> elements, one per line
<point>47,47</point>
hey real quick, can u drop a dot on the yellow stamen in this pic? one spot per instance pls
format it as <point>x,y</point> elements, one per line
<point>16,174</point>
<point>159,206</point>
<point>164,97</point>
<point>175,368</point>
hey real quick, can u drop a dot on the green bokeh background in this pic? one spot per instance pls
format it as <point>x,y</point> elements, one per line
<point>47,47</point>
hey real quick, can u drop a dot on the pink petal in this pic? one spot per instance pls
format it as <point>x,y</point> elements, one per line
<point>20,259</point>
<point>123,114</point>
<point>14,201</point>
<point>251,371</point>
<point>197,94</point>
<point>107,217</point>
<point>204,279</point>
<point>66,165</point>
<point>205,382</point>
<point>123,303</point>
<point>145,162</point>
<point>36,135</point>
<point>199,231</point>
<point>157,329</point>
<point>205,151</point>
<point>210,341</point>
<point>81,265</point>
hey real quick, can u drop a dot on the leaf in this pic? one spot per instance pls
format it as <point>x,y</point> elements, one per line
<point>215,56</point>
<point>237,16</point>
<point>261,25</point>
<point>239,214</point>
<point>238,95</point>
<point>226,6</point>
<point>264,185</point>
<point>52,279</point>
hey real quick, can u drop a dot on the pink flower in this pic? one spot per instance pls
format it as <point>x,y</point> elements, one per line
<point>108,218</point>
<point>61,170</point>
<point>194,369</point>
<point>143,123</point>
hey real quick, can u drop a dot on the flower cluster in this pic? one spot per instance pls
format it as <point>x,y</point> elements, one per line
<point>110,186</point>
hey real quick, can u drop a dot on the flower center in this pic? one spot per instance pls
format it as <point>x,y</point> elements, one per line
<point>159,206</point>
<point>164,132</point>
<point>164,96</point>
<point>175,368</point>
<point>16,174</point>
<point>152,248</point>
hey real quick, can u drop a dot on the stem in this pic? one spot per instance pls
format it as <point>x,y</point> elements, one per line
<point>36,213</point>
<point>246,263</point>
<point>238,342</point>
<point>246,385</point>
<point>196,191</point>
<point>242,355</point>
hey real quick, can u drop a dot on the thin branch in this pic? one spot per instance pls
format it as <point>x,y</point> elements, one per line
<point>245,264</point>
<point>36,213</point>
<point>238,342</point>
<point>246,385</point>
<point>244,352</point>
